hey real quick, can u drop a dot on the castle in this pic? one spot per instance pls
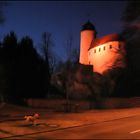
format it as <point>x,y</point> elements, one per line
<point>103,53</point>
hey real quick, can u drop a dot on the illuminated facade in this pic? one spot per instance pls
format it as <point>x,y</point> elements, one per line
<point>103,53</point>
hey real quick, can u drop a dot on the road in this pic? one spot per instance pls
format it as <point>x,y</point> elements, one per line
<point>124,128</point>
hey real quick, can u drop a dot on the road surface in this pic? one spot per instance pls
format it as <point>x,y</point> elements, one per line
<point>124,128</point>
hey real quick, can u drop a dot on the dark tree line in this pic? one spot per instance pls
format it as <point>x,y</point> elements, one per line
<point>24,74</point>
<point>131,35</point>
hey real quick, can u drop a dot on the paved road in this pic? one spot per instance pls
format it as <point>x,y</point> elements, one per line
<point>125,128</point>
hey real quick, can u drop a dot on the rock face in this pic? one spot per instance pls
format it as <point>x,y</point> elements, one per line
<point>79,91</point>
<point>78,88</point>
<point>84,73</point>
<point>74,82</point>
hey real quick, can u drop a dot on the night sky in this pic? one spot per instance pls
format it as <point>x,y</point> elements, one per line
<point>61,18</point>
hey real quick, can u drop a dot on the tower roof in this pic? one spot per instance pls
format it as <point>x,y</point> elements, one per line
<point>88,26</point>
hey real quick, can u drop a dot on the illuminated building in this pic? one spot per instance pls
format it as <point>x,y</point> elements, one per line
<point>103,53</point>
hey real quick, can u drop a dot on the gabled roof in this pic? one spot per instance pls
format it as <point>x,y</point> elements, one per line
<point>104,39</point>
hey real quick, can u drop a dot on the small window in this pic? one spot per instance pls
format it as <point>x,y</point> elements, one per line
<point>110,46</point>
<point>104,47</point>
<point>95,51</point>
<point>89,62</point>
<point>99,49</point>
<point>119,46</point>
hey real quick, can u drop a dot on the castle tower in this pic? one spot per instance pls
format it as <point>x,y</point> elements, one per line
<point>88,34</point>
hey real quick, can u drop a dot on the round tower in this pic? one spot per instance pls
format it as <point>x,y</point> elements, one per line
<point>88,34</point>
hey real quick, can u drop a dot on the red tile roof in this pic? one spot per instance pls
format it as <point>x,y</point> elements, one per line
<point>104,39</point>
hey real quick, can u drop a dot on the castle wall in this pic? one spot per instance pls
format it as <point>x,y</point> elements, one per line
<point>104,56</point>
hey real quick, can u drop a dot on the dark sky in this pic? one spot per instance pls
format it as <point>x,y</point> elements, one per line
<point>61,18</point>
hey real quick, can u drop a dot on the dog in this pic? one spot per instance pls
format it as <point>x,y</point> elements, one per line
<point>32,119</point>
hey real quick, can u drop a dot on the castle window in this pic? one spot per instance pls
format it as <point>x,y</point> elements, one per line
<point>104,47</point>
<point>110,46</point>
<point>95,51</point>
<point>99,49</point>
<point>119,46</point>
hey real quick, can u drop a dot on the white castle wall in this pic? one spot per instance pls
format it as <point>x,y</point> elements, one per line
<point>103,57</point>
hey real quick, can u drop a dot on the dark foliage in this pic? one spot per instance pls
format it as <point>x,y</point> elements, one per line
<point>23,72</point>
<point>131,35</point>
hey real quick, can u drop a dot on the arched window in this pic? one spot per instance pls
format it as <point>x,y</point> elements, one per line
<point>110,46</point>
<point>99,49</point>
<point>95,51</point>
<point>104,47</point>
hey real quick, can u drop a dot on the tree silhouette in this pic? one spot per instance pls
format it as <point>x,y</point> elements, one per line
<point>28,70</point>
<point>8,57</point>
<point>10,45</point>
<point>48,53</point>
<point>72,55</point>
<point>49,58</point>
<point>23,73</point>
<point>46,43</point>
<point>131,34</point>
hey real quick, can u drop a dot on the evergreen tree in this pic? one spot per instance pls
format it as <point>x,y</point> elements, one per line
<point>131,34</point>
<point>22,71</point>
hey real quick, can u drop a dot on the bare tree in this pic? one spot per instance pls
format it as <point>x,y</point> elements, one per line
<point>48,53</point>
<point>69,45</point>
<point>46,44</point>
<point>71,50</point>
